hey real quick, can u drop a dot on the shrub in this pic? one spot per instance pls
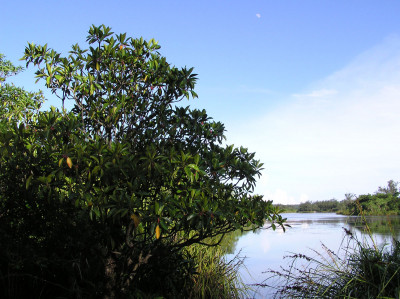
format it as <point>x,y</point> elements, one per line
<point>101,200</point>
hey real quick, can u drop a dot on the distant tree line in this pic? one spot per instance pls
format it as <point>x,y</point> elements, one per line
<point>385,201</point>
<point>331,205</point>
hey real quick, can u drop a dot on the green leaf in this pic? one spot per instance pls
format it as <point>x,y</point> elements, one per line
<point>194,166</point>
<point>92,89</point>
<point>48,67</point>
<point>188,172</point>
<point>163,225</point>
<point>191,216</point>
<point>96,211</point>
<point>28,181</point>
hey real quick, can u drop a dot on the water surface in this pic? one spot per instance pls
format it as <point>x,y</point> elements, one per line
<point>266,248</point>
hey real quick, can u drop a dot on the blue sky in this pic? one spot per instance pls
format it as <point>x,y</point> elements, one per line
<point>313,87</point>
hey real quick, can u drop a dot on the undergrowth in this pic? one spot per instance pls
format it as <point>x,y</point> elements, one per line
<point>216,276</point>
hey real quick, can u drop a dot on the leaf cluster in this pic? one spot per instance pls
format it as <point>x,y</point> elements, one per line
<point>16,104</point>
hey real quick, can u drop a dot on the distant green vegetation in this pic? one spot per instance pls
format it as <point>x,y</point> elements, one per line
<point>288,208</point>
<point>385,201</point>
<point>326,206</point>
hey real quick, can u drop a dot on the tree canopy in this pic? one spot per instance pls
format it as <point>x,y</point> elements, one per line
<point>114,188</point>
<point>16,103</point>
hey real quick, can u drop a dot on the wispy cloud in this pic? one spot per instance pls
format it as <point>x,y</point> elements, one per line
<point>347,142</point>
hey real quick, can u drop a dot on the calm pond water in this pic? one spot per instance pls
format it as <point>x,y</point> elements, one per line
<point>266,249</point>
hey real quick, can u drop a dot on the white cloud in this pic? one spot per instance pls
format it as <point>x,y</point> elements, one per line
<point>258,15</point>
<point>279,195</point>
<point>341,135</point>
<point>303,197</point>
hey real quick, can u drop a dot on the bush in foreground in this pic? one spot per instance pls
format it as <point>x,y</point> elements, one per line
<point>100,201</point>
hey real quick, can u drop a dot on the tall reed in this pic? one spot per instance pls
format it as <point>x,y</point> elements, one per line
<point>216,277</point>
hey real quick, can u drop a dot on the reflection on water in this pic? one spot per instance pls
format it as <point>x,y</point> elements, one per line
<point>379,225</point>
<point>266,249</point>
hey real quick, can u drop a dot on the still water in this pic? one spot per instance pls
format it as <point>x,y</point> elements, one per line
<point>266,248</point>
